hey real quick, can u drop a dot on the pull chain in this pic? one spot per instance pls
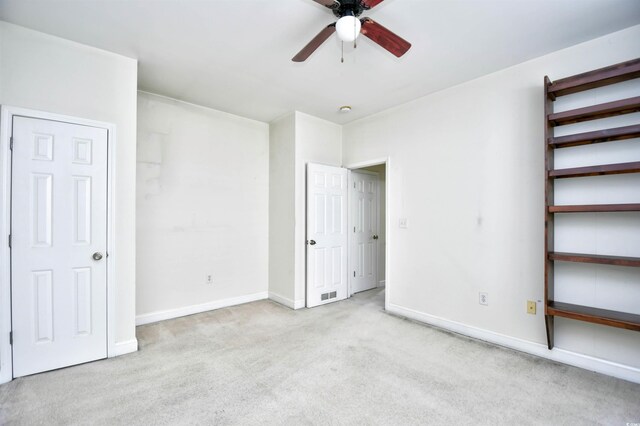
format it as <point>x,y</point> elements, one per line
<point>355,41</point>
<point>355,35</point>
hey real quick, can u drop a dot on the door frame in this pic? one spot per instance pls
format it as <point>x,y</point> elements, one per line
<point>6,119</point>
<point>351,224</point>
<point>388,230</point>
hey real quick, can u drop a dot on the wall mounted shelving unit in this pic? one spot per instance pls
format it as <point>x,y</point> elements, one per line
<point>590,80</point>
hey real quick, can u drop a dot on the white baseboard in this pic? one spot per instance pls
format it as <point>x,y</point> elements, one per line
<point>289,303</point>
<point>196,309</point>
<point>121,348</point>
<point>285,301</point>
<point>598,365</point>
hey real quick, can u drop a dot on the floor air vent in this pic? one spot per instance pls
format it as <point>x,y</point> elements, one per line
<point>327,296</point>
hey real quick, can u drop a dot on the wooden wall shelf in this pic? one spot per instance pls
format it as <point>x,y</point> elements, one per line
<point>577,83</point>
<point>595,315</point>
<point>593,79</point>
<point>606,169</point>
<point>594,208</point>
<point>593,112</point>
<point>595,258</point>
<point>599,136</point>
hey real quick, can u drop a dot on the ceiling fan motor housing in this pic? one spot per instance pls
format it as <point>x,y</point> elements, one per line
<point>348,8</point>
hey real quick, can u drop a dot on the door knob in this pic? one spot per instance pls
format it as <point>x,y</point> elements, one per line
<point>375,237</point>
<point>312,243</point>
<point>97,256</point>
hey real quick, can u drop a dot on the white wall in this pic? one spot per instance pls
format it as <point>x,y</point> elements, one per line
<point>46,73</point>
<point>282,210</point>
<point>202,206</point>
<point>317,141</point>
<point>296,140</point>
<point>467,172</point>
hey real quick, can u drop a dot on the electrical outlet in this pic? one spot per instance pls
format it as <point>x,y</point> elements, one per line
<point>402,222</point>
<point>209,279</point>
<point>531,307</point>
<point>484,299</point>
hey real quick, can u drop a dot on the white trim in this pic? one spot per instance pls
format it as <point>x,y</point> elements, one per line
<point>6,364</point>
<point>387,233</point>
<point>6,118</point>
<point>285,301</point>
<point>349,236</point>
<point>381,283</point>
<point>126,347</point>
<point>111,244</point>
<point>196,309</point>
<point>598,365</point>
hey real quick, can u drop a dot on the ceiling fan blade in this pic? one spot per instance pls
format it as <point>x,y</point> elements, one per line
<point>370,4</point>
<point>329,3</point>
<point>385,38</point>
<point>315,43</point>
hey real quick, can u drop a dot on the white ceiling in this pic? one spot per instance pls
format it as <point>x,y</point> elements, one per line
<point>235,55</point>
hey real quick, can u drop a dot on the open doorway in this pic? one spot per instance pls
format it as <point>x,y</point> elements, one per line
<point>346,233</point>
<point>367,233</point>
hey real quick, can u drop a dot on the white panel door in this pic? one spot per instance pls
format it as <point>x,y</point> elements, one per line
<point>364,226</point>
<point>59,233</point>
<point>326,234</point>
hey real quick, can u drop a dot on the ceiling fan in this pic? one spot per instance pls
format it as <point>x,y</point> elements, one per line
<point>349,27</point>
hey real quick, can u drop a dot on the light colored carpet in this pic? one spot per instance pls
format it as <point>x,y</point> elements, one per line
<point>343,363</point>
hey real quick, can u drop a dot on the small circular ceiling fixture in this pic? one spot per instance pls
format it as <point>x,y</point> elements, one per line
<point>344,108</point>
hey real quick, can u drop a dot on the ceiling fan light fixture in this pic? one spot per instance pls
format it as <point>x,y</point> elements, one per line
<point>348,28</point>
